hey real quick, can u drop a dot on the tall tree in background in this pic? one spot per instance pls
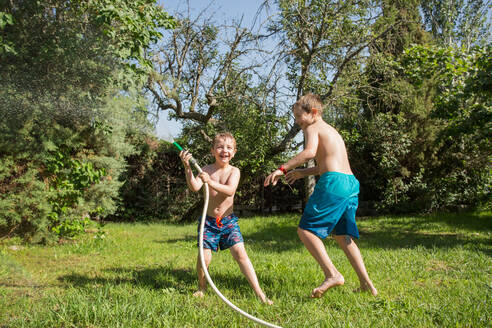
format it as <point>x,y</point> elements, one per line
<point>350,53</point>
<point>204,75</point>
<point>458,175</point>
<point>462,23</point>
<point>397,145</point>
<point>318,41</point>
<point>64,119</point>
<point>392,133</point>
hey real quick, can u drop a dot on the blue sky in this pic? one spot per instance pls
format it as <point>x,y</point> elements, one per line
<point>225,10</point>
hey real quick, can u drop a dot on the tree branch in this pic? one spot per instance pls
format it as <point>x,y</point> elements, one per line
<point>350,57</point>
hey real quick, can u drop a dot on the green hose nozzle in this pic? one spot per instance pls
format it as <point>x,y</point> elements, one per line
<point>192,160</point>
<point>177,146</point>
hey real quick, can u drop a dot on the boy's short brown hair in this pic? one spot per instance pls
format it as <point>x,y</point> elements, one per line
<point>308,102</point>
<point>224,135</point>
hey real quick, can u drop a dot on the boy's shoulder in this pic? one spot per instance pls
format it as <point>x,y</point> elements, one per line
<point>234,169</point>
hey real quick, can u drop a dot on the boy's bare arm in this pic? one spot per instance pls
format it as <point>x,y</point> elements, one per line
<point>296,174</point>
<point>309,152</point>
<point>308,171</point>
<point>229,188</point>
<point>193,183</point>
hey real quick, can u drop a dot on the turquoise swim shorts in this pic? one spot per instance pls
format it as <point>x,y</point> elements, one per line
<point>332,206</point>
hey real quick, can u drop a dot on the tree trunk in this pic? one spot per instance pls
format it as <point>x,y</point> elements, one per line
<point>262,195</point>
<point>309,184</point>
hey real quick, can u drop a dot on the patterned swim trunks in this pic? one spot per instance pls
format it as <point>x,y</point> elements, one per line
<point>222,233</point>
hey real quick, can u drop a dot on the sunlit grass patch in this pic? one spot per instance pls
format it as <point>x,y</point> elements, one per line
<point>430,271</point>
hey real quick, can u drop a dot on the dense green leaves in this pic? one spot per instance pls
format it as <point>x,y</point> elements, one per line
<point>419,135</point>
<point>463,105</point>
<point>5,46</point>
<point>132,25</point>
<point>459,23</point>
<point>65,115</point>
<point>408,84</point>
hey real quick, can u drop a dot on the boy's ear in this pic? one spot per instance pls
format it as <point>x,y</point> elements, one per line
<point>314,111</point>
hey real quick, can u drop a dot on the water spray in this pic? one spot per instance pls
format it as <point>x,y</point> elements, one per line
<point>192,161</point>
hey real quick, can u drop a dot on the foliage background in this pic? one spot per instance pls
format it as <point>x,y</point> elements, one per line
<point>69,97</point>
<point>407,84</point>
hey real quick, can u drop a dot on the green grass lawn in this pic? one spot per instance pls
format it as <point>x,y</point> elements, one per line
<point>433,271</point>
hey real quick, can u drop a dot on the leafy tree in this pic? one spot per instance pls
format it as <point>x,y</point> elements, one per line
<point>5,46</point>
<point>458,22</point>
<point>458,175</point>
<point>404,143</point>
<point>320,42</point>
<point>388,128</point>
<point>65,120</point>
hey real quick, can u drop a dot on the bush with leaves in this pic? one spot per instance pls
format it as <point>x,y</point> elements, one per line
<point>423,143</point>
<point>154,187</point>
<point>65,117</point>
<point>459,175</point>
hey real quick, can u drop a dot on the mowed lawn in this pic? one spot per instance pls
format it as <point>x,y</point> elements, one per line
<point>431,271</point>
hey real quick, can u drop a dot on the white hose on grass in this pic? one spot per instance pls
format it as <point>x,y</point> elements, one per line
<point>204,267</point>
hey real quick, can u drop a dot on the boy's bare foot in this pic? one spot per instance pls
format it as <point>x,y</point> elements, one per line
<point>199,294</point>
<point>370,289</point>
<point>327,284</point>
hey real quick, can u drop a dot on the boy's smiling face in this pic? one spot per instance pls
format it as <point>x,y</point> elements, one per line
<point>224,150</point>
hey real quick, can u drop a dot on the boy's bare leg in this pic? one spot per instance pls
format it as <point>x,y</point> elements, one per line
<point>317,249</point>
<point>202,281</point>
<point>352,252</point>
<point>238,252</point>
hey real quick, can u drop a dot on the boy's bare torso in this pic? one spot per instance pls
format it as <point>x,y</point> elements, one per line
<point>331,154</point>
<point>219,204</point>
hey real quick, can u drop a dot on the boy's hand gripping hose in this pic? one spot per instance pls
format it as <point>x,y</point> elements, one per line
<point>202,258</point>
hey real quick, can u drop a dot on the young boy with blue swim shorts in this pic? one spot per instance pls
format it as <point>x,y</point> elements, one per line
<point>221,228</point>
<point>334,201</point>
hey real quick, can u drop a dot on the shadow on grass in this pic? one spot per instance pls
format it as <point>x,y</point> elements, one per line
<point>388,239</point>
<point>468,222</point>
<point>441,231</point>
<point>188,238</point>
<point>274,238</point>
<point>182,280</point>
